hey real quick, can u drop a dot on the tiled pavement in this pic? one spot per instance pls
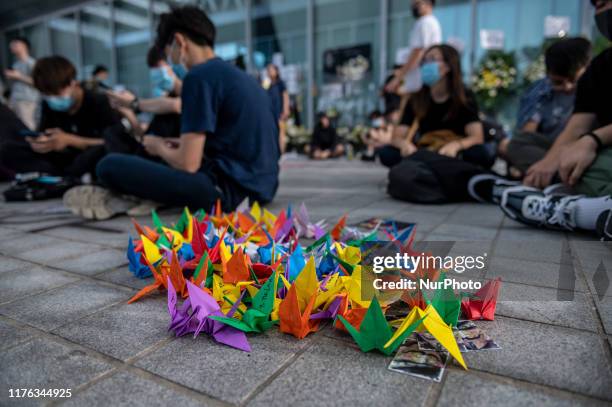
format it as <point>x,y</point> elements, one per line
<point>64,321</point>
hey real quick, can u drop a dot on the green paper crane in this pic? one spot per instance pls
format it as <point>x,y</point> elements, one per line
<point>374,331</point>
<point>256,318</point>
<point>163,240</point>
<point>446,303</point>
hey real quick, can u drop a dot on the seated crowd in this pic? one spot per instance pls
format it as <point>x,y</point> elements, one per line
<point>216,134</point>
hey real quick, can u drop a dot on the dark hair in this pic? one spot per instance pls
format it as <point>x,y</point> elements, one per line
<point>375,114</point>
<point>154,56</point>
<point>99,69</point>
<point>421,100</point>
<point>565,57</point>
<point>190,21</point>
<point>52,74</point>
<point>23,40</point>
<point>278,77</point>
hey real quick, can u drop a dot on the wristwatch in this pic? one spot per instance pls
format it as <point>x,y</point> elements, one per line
<point>135,105</point>
<point>595,137</point>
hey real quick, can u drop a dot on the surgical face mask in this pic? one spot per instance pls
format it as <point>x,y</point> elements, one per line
<point>161,79</point>
<point>378,123</point>
<point>179,70</point>
<point>59,103</point>
<point>604,23</point>
<point>430,73</point>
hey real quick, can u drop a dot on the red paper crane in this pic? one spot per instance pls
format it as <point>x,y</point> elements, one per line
<point>482,307</point>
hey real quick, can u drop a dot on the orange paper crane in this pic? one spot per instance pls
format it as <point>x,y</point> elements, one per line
<point>160,281</point>
<point>295,321</point>
<point>237,268</point>
<point>294,311</point>
<point>354,315</point>
<point>174,272</point>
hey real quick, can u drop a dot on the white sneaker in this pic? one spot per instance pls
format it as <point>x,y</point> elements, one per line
<point>95,202</point>
<point>143,208</point>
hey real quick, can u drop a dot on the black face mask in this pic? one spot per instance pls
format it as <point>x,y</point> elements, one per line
<point>415,12</point>
<point>604,23</point>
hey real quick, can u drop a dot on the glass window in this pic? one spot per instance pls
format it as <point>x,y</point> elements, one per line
<point>279,37</point>
<point>39,40</point>
<point>346,63</point>
<point>63,31</point>
<point>454,16</point>
<point>96,37</point>
<point>8,57</point>
<point>132,39</point>
<point>229,19</point>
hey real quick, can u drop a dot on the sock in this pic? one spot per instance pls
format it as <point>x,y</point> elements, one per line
<point>588,210</point>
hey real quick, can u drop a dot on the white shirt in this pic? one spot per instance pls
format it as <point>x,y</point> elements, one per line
<point>425,33</point>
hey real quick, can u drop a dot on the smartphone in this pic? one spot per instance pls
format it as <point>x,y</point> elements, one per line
<point>30,133</point>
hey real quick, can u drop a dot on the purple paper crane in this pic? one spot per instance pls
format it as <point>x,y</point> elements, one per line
<point>192,317</point>
<point>330,312</point>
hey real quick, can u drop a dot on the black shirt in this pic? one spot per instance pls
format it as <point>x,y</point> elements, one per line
<point>436,117</point>
<point>93,117</point>
<point>595,89</point>
<point>324,138</point>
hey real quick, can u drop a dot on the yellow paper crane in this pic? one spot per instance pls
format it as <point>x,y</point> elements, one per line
<point>435,326</point>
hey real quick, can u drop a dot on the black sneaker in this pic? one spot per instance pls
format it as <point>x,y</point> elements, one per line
<point>604,226</point>
<point>531,207</point>
<point>488,188</point>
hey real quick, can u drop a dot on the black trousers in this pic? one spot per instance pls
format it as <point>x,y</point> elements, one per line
<point>478,155</point>
<point>431,178</point>
<point>19,157</point>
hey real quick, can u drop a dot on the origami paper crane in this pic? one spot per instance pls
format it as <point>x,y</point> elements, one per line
<point>353,315</point>
<point>137,268</point>
<point>447,303</point>
<point>256,318</point>
<point>374,333</point>
<point>194,317</point>
<point>434,325</point>
<point>483,306</point>
<point>295,310</point>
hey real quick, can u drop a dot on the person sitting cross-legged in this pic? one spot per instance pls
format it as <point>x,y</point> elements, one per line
<point>228,149</point>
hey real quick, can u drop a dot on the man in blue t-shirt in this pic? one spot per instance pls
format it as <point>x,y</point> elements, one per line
<point>228,148</point>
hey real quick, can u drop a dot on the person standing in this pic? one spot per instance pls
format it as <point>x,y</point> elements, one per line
<point>425,33</point>
<point>280,101</point>
<point>24,97</point>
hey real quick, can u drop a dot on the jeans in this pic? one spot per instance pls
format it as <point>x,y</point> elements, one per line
<point>146,179</point>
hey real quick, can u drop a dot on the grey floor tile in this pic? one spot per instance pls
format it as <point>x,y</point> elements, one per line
<point>218,370</point>
<point>11,335</point>
<point>25,242</point>
<point>123,276</point>
<point>130,390</point>
<point>461,231</point>
<point>564,358</point>
<point>547,305</point>
<point>540,273</point>
<point>122,331</point>
<point>90,235</point>
<point>465,389</point>
<point>18,283</point>
<point>61,249</point>
<point>61,306</point>
<point>9,264</point>
<point>92,263</point>
<point>44,364</point>
<point>339,374</point>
